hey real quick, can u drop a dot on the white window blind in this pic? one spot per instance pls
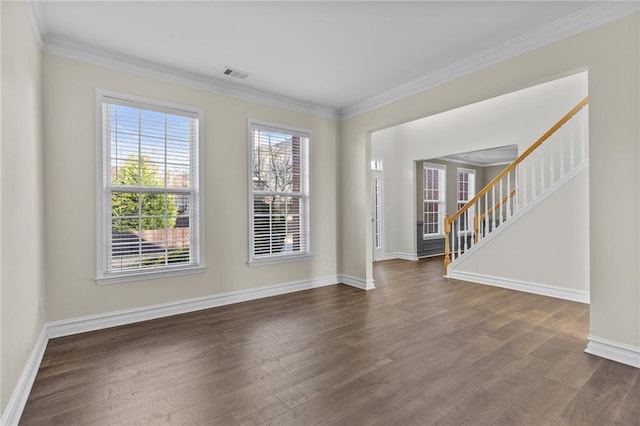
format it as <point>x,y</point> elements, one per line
<point>434,199</point>
<point>279,193</point>
<point>150,199</point>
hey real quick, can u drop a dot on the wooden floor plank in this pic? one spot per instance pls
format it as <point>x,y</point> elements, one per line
<point>420,349</point>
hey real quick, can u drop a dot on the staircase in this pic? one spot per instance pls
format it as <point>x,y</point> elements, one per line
<point>546,164</point>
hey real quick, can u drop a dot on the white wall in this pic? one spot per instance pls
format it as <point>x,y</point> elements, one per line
<point>611,55</point>
<point>549,245</point>
<point>69,169</point>
<point>22,256</point>
<point>518,118</point>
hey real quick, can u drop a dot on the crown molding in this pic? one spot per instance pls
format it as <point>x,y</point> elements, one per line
<point>63,47</point>
<point>586,19</point>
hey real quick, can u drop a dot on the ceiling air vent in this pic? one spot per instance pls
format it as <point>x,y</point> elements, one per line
<point>235,73</point>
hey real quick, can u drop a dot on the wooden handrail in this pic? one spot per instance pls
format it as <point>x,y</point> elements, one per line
<point>522,156</point>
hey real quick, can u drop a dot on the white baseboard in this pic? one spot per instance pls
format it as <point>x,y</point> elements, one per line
<point>529,287</point>
<point>113,319</point>
<point>400,255</point>
<point>356,282</point>
<point>615,351</point>
<point>13,411</point>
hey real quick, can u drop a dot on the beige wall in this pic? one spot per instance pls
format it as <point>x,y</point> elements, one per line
<point>70,173</point>
<point>610,53</point>
<point>492,171</point>
<point>22,256</point>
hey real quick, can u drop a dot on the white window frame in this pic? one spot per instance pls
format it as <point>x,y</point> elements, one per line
<point>305,198</point>
<point>103,217</point>
<point>471,193</point>
<point>442,202</point>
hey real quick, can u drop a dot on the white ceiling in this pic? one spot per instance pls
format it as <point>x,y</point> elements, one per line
<point>328,54</point>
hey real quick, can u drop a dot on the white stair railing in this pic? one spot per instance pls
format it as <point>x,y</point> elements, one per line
<point>560,150</point>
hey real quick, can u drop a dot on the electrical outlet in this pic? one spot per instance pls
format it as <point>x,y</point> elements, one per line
<point>41,307</point>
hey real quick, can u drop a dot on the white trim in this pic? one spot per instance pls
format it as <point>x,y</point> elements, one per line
<point>128,316</point>
<point>526,286</point>
<point>427,237</point>
<point>532,204</point>
<point>599,14</point>
<point>66,48</point>
<point>13,411</point>
<point>356,282</point>
<point>273,260</point>
<point>305,195</point>
<point>400,255</point>
<point>614,351</point>
<point>149,275</point>
<point>197,221</point>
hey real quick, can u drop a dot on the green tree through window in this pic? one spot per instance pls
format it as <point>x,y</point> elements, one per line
<point>149,208</point>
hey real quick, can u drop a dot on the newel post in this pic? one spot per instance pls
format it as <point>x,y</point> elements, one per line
<point>476,222</point>
<point>447,254</point>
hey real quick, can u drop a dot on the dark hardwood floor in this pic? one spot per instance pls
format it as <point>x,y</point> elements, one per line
<point>417,350</point>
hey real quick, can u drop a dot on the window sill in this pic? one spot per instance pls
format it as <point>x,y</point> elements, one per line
<point>433,237</point>
<point>279,259</point>
<point>149,275</point>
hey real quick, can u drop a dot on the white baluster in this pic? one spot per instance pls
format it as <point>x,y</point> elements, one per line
<point>508,194</point>
<point>501,198</point>
<point>584,140</point>
<point>524,186</point>
<point>533,178</point>
<point>458,221</point>
<point>562,145</point>
<point>542,183</point>
<point>571,148</point>
<point>465,236</point>
<point>473,210</point>
<point>486,213</point>
<point>552,163</point>
<point>493,207</point>
<point>516,199</point>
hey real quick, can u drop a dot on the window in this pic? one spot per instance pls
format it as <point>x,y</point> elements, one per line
<point>148,200</point>
<point>465,190</point>
<point>279,193</point>
<point>434,199</point>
